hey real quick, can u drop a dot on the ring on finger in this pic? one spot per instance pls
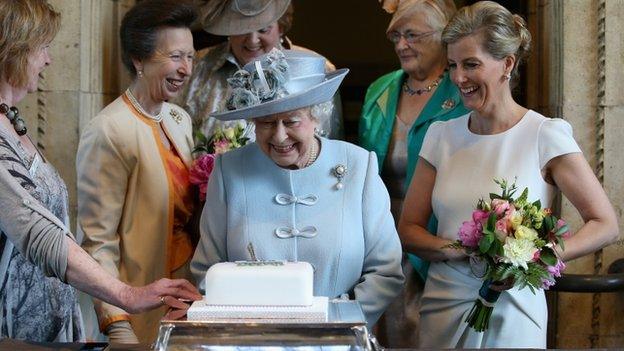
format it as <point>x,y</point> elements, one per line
<point>162,300</point>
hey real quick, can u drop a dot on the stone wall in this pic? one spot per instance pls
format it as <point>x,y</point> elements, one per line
<point>592,82</point>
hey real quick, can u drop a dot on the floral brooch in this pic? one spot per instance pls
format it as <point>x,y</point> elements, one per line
<point>448,104</point>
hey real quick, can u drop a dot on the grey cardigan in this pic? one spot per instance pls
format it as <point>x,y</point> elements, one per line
<point>36,232</point>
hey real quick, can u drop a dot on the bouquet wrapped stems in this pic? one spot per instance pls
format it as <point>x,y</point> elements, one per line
<point>479,316</point>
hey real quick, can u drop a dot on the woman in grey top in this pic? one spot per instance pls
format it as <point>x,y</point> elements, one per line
<point>34,242</point>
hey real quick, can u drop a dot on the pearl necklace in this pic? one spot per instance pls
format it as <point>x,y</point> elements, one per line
<point>428,88</point>
<point>157,118</point>
<point>312,154</point>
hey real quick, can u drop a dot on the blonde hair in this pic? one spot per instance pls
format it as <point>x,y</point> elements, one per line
<point>503,33</point>
<point>26,26</point>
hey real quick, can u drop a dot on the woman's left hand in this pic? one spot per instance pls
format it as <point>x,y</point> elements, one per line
<point>164,291</point>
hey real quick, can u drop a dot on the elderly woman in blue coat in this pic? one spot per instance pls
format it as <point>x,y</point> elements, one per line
<point>295,196</point>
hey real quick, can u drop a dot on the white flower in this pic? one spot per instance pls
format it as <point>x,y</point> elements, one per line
<point>518,252</point>
<point>526,233</point>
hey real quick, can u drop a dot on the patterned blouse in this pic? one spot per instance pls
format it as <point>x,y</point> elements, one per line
<point>35,307</point>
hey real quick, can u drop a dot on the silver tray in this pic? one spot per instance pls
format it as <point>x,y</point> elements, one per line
<point>344,329</point>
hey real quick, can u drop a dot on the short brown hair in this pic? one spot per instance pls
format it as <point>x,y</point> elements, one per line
<point>140,25</point>
<point>26,25</point>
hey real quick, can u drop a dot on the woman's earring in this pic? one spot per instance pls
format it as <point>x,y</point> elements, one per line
<point>507,76</point>
<point>320,133</point>
<point>140,73</point>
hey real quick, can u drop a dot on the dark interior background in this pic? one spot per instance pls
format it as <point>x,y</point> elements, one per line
<point>352,34</point>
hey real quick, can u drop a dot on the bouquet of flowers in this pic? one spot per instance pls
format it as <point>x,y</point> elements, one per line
<point>223,140</point>
<point>514,240</point>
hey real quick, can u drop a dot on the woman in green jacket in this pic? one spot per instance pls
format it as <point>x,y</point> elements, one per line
<point>398,109</point>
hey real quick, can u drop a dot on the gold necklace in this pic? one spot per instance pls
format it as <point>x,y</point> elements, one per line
<point>428,88</point>
<point>135,103</point>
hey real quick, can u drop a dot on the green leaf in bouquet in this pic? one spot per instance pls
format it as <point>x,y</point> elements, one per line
<point>534,275</point>
<point>485,242</point>
<point>548,256</point>
<point>549,224</point>
<point>523,197</point>
<point>200,137</point>
<point>491,222</point>
<point>496,248</point>
<point>537,204</point>
<point>495,196</point>
<point>505,271</point>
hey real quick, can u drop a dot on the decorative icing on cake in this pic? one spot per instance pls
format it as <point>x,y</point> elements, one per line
<point>260,283</point>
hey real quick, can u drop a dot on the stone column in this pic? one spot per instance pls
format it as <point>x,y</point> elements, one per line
<point>591,83</point>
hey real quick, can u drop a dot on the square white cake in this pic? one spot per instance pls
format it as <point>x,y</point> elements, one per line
<point>260,283</point>
<point>259,290</point>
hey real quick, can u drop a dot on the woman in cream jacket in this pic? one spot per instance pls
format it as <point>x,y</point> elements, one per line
<point>134,196</point>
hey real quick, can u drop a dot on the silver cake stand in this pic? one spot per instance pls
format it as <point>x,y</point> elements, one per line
<point>344,329</point>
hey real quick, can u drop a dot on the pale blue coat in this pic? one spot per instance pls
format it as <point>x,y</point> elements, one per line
<point>347,234</point>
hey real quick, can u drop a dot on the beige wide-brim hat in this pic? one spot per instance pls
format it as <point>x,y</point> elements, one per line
<point>237,17</point>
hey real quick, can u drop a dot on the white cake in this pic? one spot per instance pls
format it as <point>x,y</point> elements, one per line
<point>260,290</point>
<point>262,283</point>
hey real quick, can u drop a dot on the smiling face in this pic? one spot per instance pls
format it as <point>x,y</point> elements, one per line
<point>479,76</point>
<point>423,56</point>
<point>164,74</point>
<point>248,46</point>
<point>287,137</point>
<point>37,61</point>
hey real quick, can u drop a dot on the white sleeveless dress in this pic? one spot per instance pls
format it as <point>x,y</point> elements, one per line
<point>466,164</point>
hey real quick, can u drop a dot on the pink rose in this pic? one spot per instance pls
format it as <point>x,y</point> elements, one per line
<point>480,216</point>
<point>200,173</point>
<point>502,225</point>
<point>500,206</point>
<point>221,146</point>
<point>470,233</point>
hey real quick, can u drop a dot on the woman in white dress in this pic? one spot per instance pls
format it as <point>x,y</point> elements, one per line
<point>458,162</point>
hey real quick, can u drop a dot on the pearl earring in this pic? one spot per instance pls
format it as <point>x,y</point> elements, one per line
<point>507,76</point>
<point>140,73</point>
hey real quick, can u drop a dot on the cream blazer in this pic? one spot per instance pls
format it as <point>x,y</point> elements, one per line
<point>125,206</point>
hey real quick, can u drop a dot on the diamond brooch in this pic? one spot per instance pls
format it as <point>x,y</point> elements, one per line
<point>339,172</point>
